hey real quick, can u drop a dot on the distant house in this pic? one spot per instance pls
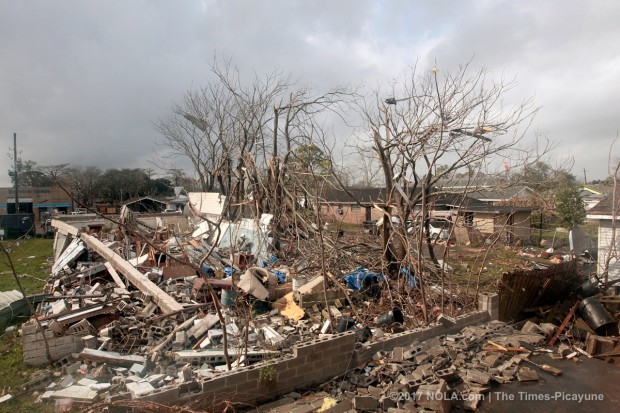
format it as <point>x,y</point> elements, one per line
<point>510,222</point>
<point>502,196</point>
<point>356,207</point>
<point>178,202</point>
<point>591,196</point>
<point>608,245</point>
<point>146,205</point>
<point>353,206</point>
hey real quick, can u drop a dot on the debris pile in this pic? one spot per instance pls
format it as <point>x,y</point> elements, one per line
<point>125,316</point>
<point>139,307</point>
<point>455,370</point>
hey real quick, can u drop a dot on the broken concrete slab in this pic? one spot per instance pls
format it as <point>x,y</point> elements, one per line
<point>110,357</point>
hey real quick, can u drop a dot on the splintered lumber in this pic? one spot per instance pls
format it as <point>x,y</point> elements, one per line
<point>70,254</point>
<point>166,303</point>
<point>115,276</point>
<point>545,367</point>
<point>563,325</point>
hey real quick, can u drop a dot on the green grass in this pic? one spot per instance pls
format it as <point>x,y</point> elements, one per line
<point>15,373</point>
<point>30,257</point>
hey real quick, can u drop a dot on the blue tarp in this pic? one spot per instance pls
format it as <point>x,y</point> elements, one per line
<point>270,261</point>
<point>208,271</point>
<point>413,281</point>
<point>361,275</point>
<point>280,274</point>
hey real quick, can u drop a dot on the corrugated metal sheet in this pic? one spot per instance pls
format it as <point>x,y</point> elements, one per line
<point>8,297</point>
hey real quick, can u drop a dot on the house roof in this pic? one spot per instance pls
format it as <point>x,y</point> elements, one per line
<point>585,189</point>
<point>456,200</point>
<point>470,204</point>
<point>604,208</point>
<point>502,194</point>
<point>142,198</point>
<point>480,181</point>
<point>361,195</point>
<point>8,297</point>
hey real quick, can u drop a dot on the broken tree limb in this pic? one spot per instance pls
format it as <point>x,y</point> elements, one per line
<point>344,290</point>
<point>166,303</point>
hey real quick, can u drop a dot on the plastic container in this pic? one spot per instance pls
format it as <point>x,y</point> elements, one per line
<point>344,324</point>
<point>228,298</point>
<point>393,316</point>
<point>596,315</point>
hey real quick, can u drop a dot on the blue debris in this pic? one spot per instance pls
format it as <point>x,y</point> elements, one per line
<point>270,261</point>
<point>281,276</point>
<point>362,277</point>
<point>229,271</point>
<point>210,272</point>
<point>413,281</point>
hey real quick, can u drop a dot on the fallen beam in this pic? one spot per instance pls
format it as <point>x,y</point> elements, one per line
<point>110,357</point>
<point>65,228</point>
<point>115,276</point>
<point>166,303</point>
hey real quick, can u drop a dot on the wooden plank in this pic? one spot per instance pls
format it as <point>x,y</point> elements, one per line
<point>166,303</point>
<point>117,279</point>
<point>65,228</point>
<point>563,325</point>
<point>70,254</point>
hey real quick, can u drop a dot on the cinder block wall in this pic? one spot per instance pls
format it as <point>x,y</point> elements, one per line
<point>312,362</point>
<point>59,347</point>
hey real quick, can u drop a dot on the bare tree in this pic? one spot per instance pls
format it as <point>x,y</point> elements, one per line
<point>456,120</point>
<point>367,167</point>
<point>241,135</point>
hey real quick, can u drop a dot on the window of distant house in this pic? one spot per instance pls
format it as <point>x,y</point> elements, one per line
<point>355,208</point>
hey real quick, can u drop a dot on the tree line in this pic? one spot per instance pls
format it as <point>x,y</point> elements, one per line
<point>88,185</point>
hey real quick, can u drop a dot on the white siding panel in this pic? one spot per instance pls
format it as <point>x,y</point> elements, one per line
<point>605,247</point>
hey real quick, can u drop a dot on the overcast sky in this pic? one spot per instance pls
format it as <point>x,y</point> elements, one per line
<point>82,82</point>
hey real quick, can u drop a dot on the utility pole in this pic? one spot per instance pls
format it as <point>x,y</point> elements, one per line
<point>16,173</point>
<point>585,180</point>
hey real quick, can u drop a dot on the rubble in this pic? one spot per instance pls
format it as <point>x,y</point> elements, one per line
<point>149,312</point>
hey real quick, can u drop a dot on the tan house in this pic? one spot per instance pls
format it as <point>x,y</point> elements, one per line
<point>355,206</point>
<point>509,222</point>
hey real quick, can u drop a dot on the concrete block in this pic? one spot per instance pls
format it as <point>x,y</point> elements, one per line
<point>342,407</point>
<point>138,389</point>
<point>368,403</point>
<point>138,369</point>
<point>434,397</point>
